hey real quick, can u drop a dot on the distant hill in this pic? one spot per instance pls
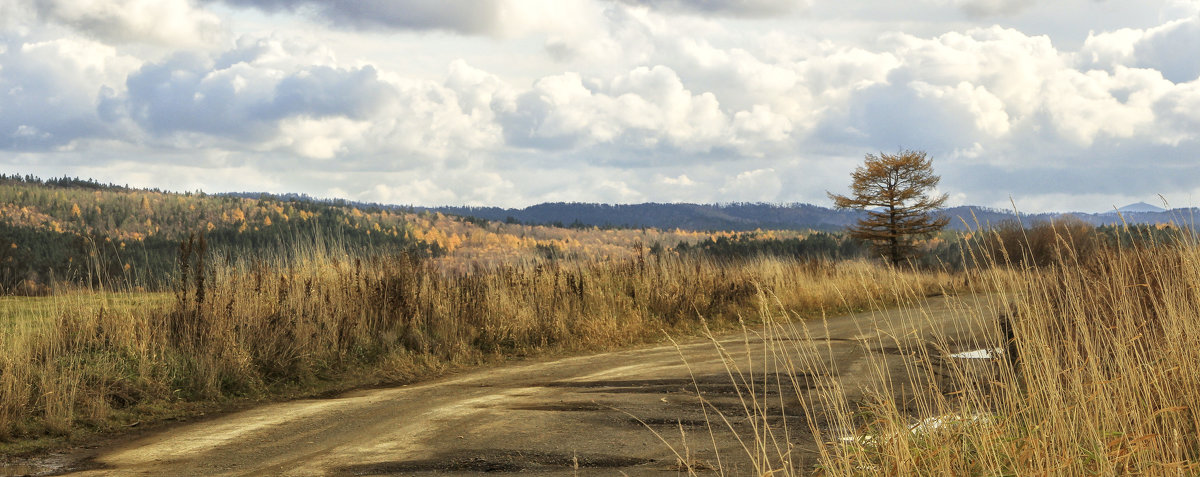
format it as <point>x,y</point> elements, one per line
<point>1140,207</point>
<point>751,216</point>
<point>667,216</point>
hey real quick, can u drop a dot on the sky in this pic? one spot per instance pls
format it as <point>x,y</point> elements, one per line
<point>1051,105</point>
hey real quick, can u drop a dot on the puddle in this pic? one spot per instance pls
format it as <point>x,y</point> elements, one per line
<point>496,461</point>
<point>980,354</point>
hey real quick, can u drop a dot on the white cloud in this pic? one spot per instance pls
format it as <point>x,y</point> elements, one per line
<point>427,120</point>
<point>318,138</point>
<point>759,185</point>
<point>761,125</point>
<point>645,108</point>
<point>415,191</point>
<point>475,185</point>
<point>1083,106</point>
<point>976,105</point>
<point>1010,64</point>
<point>996,88</point>
<point>682,180</point>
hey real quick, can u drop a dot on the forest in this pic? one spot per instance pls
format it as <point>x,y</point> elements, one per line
<point>74,231</point>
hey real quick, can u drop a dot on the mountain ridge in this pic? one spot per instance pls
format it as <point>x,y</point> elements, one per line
<point>742,216</point>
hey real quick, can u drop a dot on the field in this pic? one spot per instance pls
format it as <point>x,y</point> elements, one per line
<point>249,329</point>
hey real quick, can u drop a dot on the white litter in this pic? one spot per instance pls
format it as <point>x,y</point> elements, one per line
<point>867,439</point>
<point>925,426</point>
<point>930,424</point>
<point>980,354</point>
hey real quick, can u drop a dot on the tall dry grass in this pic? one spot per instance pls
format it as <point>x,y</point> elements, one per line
<point>246,327</point>
<point>1101,376</point>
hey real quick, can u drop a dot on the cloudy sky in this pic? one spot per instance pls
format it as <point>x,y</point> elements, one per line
<point>1056,104</point>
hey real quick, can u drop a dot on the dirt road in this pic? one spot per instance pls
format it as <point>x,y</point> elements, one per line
<point>589,415</point>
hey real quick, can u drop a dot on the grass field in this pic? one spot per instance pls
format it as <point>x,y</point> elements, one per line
<point>259,329</point>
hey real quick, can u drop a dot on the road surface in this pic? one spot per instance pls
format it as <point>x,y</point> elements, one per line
<point>588,415</point>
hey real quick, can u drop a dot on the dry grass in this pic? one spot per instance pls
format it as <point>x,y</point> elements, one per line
<point>239,328</point>
<point>1102,377</point>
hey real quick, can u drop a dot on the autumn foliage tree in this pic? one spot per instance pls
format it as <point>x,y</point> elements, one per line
<point>894,189</point>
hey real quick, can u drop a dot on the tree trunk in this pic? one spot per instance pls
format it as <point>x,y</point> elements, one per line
<point>893,245</point>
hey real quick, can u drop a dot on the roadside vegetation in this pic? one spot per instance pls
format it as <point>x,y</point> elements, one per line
<point>1094,369</point>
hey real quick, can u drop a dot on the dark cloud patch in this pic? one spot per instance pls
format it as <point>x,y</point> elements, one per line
<point>523,125</point>
<point>1109,168</point>
<point>45,99</point>
<point>1171,50</point>
<point>322,91</point>
<point>990,8</point>
<point>461,16</point>
<point>167,22</point>
<point>172,96</point>
<point>890,116</point>
<point>1179,112</point>
<point>736,8</point>
<point>1168,48</point>
<point>243,101</point>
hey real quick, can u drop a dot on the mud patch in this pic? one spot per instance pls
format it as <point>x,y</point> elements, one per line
<point>721,424</point>
<point>54,464</point>
<point>710,384</point>
<point>562,407</point>
<point>23,469</point>
<point>858,340</point>
<point>494,460</point>
<point>674,423</point>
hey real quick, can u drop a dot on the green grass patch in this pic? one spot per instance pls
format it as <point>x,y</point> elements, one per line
<point>36,310</point>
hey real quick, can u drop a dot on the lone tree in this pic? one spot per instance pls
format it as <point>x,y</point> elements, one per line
<point>894,190</point>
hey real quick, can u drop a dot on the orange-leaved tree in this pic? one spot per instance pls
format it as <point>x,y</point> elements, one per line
<point>894,189</point>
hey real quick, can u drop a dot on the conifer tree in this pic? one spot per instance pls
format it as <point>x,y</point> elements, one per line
<point>894,189</point>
